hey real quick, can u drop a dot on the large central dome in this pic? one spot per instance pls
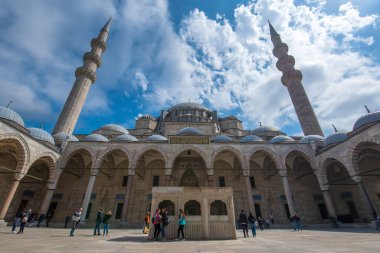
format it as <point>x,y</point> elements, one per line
<point>189,112</point>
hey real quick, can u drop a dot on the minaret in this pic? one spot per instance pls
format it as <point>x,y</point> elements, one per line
<point>291,78</point>
<point>85,77</point>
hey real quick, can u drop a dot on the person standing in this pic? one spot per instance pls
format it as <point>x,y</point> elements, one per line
<point>156,222</point>
<point>99,218</point>
<point>16,221</point>
<point>260,222</point>
<point>146,223</point>
<point>164,223</point>
<point>243,220</point>
<point>181,224</point>
<point>76,218</point>
<point>334,222</point>
<point>252,223</point>
<point>105,221</point>
<point>48,218</point>
<point>24,220</point>
<point>67,219</point>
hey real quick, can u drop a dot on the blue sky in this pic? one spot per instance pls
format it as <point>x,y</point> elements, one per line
<point>217,53</point>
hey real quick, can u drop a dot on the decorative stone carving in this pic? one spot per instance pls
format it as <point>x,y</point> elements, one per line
<point>85,72</point>
<point>90,56</point>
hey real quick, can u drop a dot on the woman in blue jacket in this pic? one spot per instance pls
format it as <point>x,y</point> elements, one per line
<point>181,224</point>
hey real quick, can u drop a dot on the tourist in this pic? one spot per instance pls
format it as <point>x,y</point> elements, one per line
<point>267,224</point>
<point>105,221</point>
<point>297,221</point>
<point>32,219</point>
<point>271,218</point>
<point>181,224</point>
<point>156,222</point>
<point>252,223</point>
<point>16,221</point>
<point>243,221</point>
<point>41,219</point>
<point>260,222</point>
<point>164,223</point>
<point>334,222</point>
<point>24,220</point>
<point>146,223</point>
<point>99,218</point>
<point>292,220</point>
<point>67,219</point>
<point>48,218</point>
<point>76,218</point>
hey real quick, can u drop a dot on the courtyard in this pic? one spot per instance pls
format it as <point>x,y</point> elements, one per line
<point>133,241</point>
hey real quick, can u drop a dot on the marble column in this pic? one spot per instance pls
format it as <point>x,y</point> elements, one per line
<point>367,199</point>
<point>249,195</point>
<point>206,215</point>
<point>288,195</point>
<point>210,177</point>
<point>329,203</point>
<point>168,176</point>
<point>47,199</point>
<point>88,194</point>
<point>127,196</point>
<point>9,197</point>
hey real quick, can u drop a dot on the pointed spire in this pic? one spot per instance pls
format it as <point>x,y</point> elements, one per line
<point>366,107</point>
<point>9,104</point>
<point>274,36</point>
<point>260,123</point>
<point>336,130</point>
<point>106,27</point>
<point>42,125</point>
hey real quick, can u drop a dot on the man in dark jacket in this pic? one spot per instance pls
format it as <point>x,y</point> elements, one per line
<point>243,220</point>
<point>99,218</point>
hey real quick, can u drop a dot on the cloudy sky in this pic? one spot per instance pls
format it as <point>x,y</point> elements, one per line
<point>217,53</point>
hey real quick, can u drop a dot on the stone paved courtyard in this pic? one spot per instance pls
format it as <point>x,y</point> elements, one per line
<point>132,241</point>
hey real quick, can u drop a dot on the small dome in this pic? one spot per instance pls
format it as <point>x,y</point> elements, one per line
<point>188,105</point>
<point>115,128</point>
<point>221,138</point>
<point>281,139</point>
<point>11,115</point>
<point>263,129</point>
<point>60,137</point>
<point>189,131</point>
<point>367,119</point>
<point>42,135</point>
<point>147,116</point>
<point>156,138</point>
<point>311,138</point>
<point>125,138</point>
<point>251,138</point>
<point>95,137</point>
<point>336,137</point>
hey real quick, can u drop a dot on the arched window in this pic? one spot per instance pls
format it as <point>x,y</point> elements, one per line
<point>218,207</point>
<point>192,207</point>
<point>169,205</point>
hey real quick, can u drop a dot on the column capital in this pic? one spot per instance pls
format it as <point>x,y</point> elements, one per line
<point>210,171</point>
<point>131,171</point>
<point>94,172</point>
<point>168,171</point>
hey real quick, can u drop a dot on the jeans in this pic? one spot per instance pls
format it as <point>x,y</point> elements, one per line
<point>245,229</point>
<point>97,228</point>
<point>157,229</point>
<point>105,229</point>
<point>163,230</point>
<point>22,226</point>
<point>16,221</point>
<point>253,228</point>
<point>74,226</point>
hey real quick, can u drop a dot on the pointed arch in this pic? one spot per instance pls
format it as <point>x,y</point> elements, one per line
<point>22,149</point>
<point>201,152</point>
<point>235,151</point>
<point>107,151</point>
<point>325,163</point>
<point>354,150</point>
<point>269,152</point>
<point>65,158</point>
<point>50,160</point>
<point>146,149</point>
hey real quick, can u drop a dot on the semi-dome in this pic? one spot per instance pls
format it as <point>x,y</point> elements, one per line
<point>11,115</point>
<point>95,137</point>
<point>251,138</point>
<point>189,131</point>
<point>42,135</point>
<point>367,119</point>
<point>156,138</point>
<point>281,139</point>
<point>335,138</point>
<point>311,138</point>
<point>188,105</point>
<point>60,137</point>
<point>115,128</point>
<point>263,129</point>
<point>125,138</point>
<point>221,138</point>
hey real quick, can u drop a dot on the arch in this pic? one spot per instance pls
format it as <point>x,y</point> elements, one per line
<point>269,152</point>
<point>146,149</point>
<point>326,162</point>
<point>354,150</point>
<point>195,149</point>
<point>218,207</point>
<point>237,152</point>
<point>302,152</point>
<point>192,207</point>
<point>107,151</point>
<point>64,159</point>
<point>169,205</point>
<point>22,148</point>
<point>50,160</point>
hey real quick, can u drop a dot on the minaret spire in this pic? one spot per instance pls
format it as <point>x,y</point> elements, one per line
<point>291,78</point>
<point>85,76</point>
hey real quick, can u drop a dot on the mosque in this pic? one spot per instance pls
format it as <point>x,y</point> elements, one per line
<point>270,173</point>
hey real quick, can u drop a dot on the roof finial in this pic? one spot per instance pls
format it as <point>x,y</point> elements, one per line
<point>260,123</point>
<point>107,25</point>
<point>336,130</point>
<point>42,124</point>
<point>274,36</point>
<point>366,107</point>
<point>9,104</point>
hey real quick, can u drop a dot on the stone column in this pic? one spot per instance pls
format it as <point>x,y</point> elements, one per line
<point>288,194</point>
<point>168,173</point>
<point>48,197</point>
<point>210,177</point>
<point>329,203</point>
<point>10,195</point>
<point>206,214</point>
<point>87,196</point>
<point>367,199</point>
<point>126,199</point>
<point>249,194</point>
